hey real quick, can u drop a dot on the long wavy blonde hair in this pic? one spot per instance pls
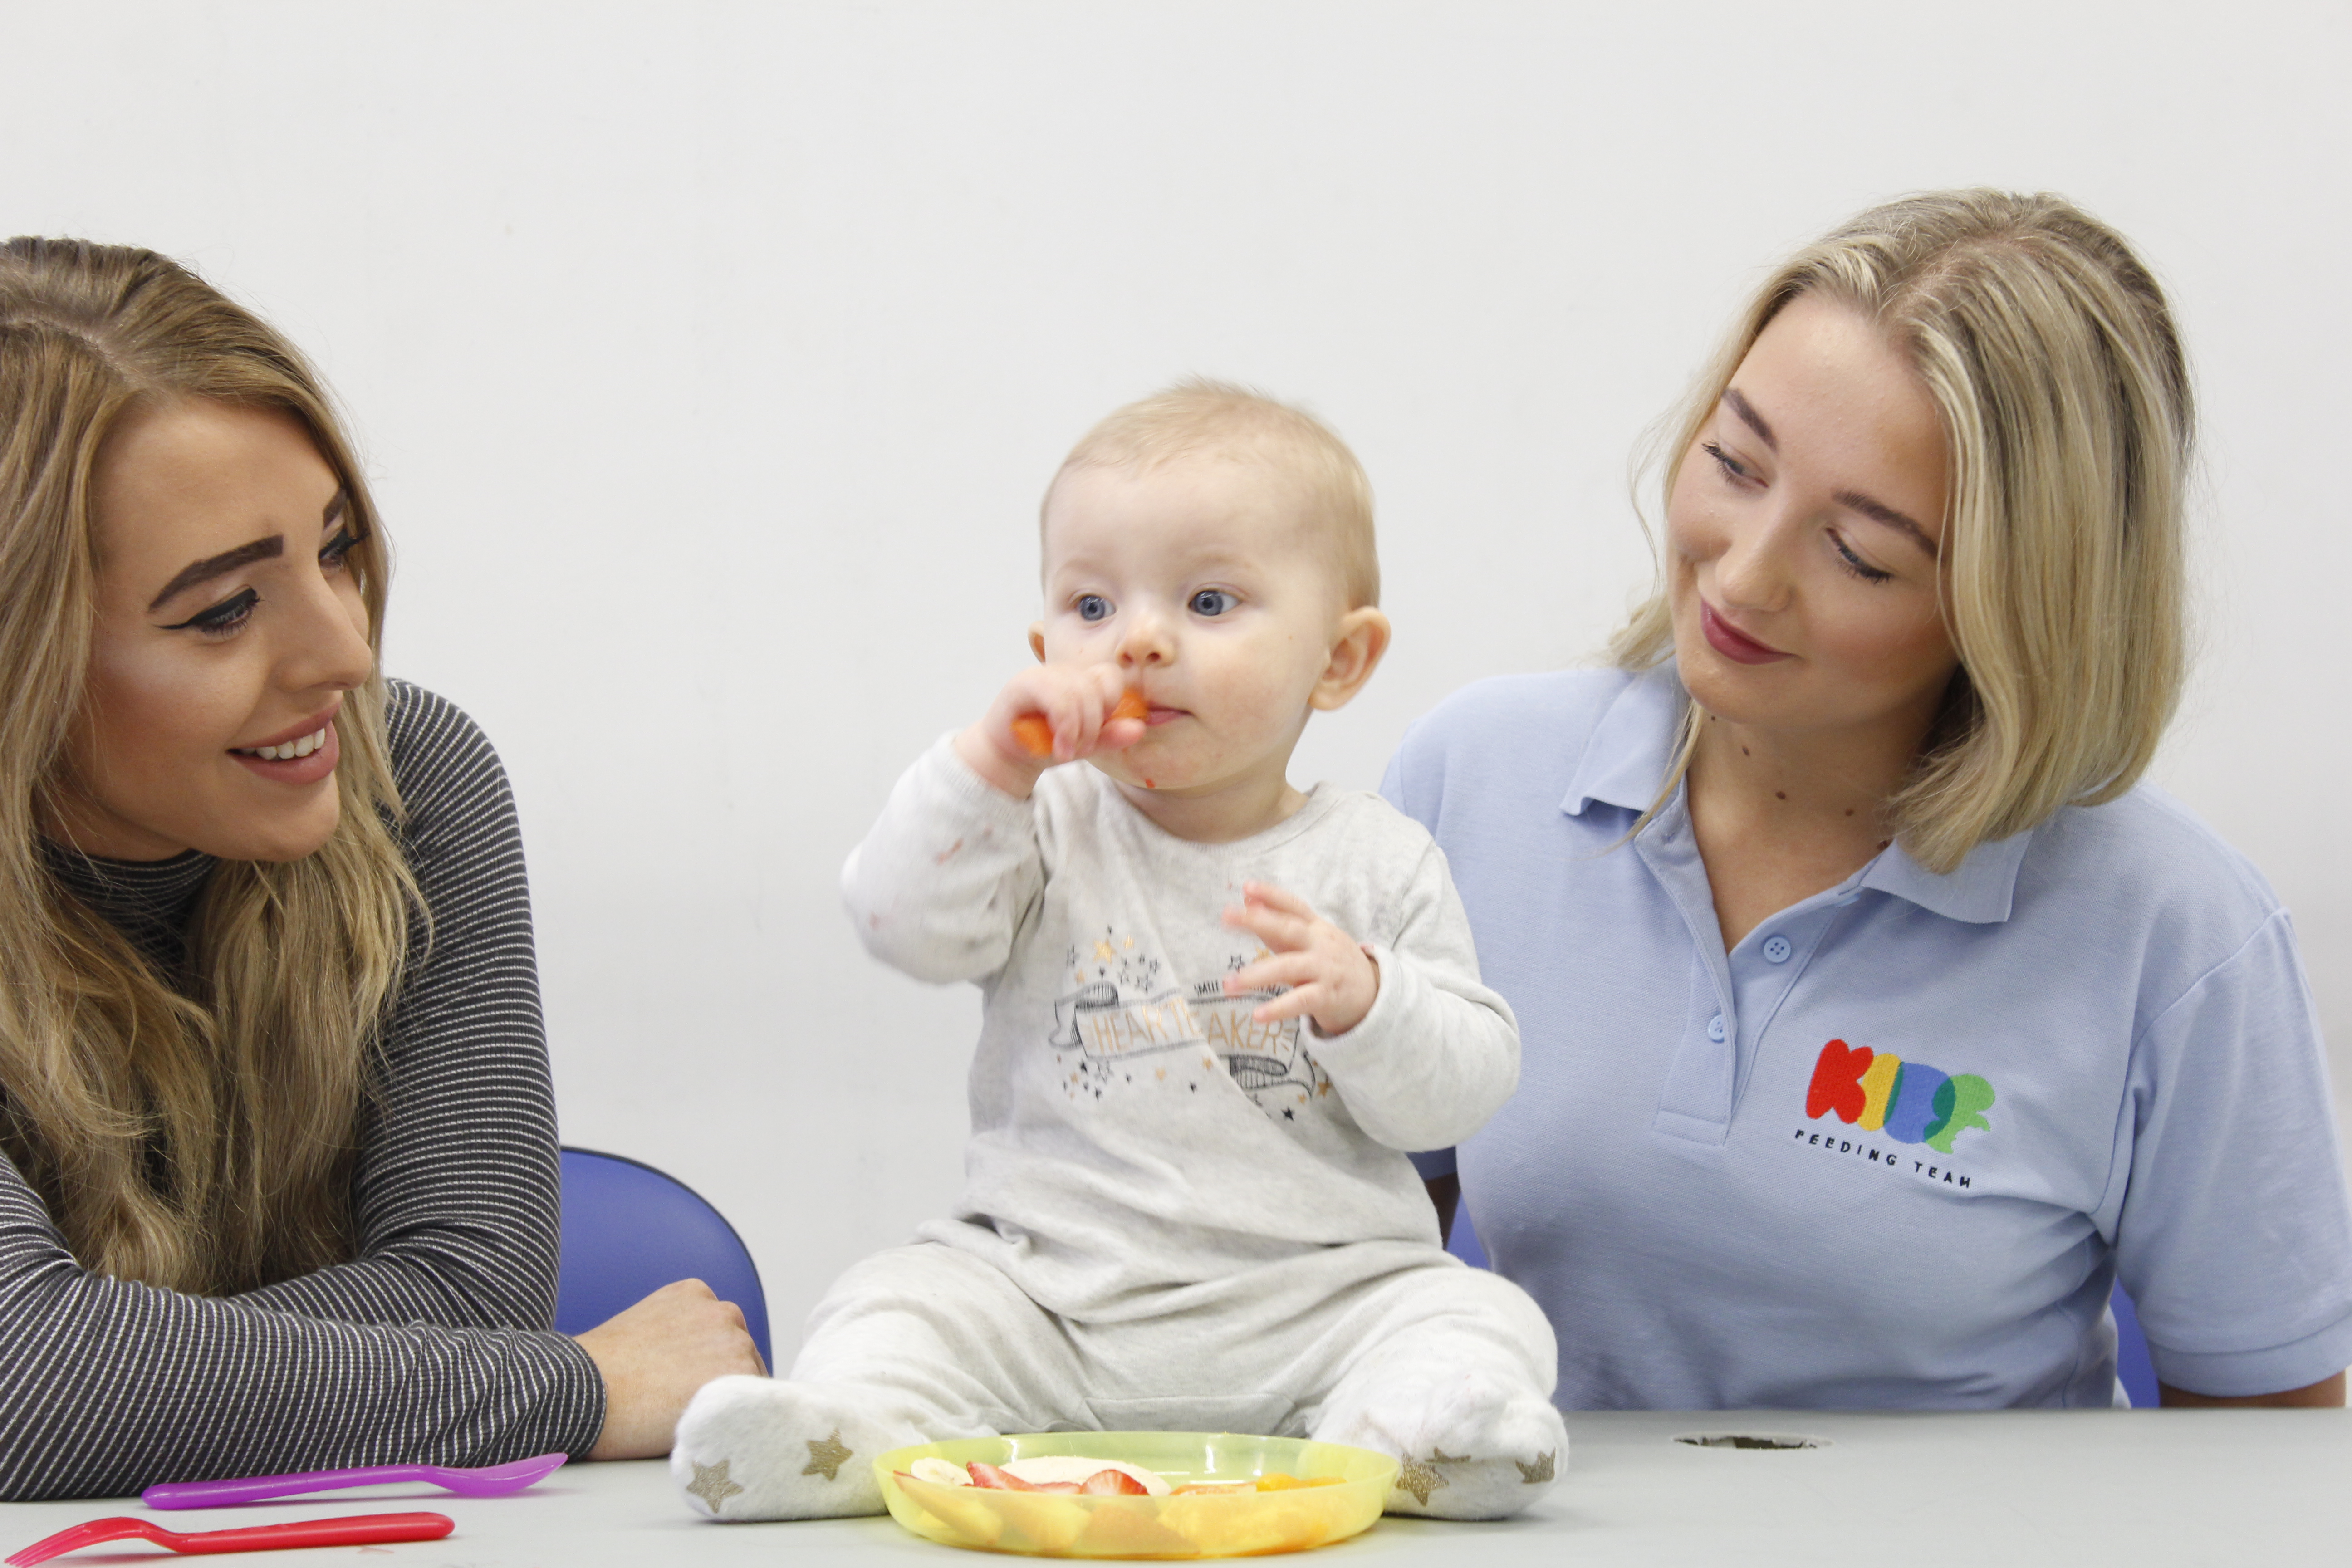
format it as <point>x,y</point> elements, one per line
<point>198,1136</point>
<point>2054,365</point>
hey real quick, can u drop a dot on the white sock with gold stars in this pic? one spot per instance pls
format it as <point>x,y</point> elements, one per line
<point>759,1447</point>
<point>1471,1445</point>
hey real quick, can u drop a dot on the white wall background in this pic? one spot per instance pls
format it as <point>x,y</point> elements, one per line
<point>709,360</point>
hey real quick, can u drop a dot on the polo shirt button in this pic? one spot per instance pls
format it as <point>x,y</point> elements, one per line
<point>1715,1028</point>
<point>1777,949</point>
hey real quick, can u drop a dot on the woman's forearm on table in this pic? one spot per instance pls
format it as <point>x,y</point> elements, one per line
<point>106,1386</point>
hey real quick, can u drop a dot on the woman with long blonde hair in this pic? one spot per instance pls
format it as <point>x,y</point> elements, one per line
<point>1877,1020</point>
<point>277,1174</point>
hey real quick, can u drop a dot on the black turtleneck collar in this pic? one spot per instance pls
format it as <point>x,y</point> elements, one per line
<point>148,901</point>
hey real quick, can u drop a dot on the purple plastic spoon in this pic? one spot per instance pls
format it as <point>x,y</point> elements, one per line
<point>492,1480</point>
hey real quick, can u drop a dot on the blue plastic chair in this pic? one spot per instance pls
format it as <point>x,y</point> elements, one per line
<point>2132,1363</point>
<point>629,1230</point>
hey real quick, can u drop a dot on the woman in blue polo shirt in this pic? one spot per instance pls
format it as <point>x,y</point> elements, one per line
<point>1876,1020</point>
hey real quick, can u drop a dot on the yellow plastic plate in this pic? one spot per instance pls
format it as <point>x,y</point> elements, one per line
<point>1055,1524</point>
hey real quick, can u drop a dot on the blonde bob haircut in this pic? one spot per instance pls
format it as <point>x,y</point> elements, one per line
<point>2054,367</point>
<point>192,1130</point>
<point>1198,418</point>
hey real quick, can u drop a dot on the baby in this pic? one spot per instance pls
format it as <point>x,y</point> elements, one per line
<point>1217,1011</point>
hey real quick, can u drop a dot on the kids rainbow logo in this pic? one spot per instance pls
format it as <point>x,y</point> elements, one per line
<point>1911,1102</point>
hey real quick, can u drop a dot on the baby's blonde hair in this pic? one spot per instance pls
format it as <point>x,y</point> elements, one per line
<point>2058,375</point>
<point>1202,418</point>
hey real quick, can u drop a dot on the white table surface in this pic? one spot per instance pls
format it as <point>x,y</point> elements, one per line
<point>2207,1486</point>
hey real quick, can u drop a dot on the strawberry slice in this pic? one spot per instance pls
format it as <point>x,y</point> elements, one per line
<point>989,1476</point>
<point>1113,1483</point>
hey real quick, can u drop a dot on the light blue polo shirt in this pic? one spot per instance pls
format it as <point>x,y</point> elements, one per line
<point>1893,1150</point>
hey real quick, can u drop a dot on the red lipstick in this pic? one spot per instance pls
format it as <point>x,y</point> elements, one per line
<point>1732,643</point>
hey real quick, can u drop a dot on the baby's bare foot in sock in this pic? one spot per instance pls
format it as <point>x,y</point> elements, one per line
<point>1470,1446</point>
<point>758,1447</point>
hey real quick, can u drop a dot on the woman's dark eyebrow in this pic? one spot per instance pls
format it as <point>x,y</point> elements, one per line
<point>228,561</point>
<point>1881,512</point>
<point>1747,412</point>
<point>213,567</point>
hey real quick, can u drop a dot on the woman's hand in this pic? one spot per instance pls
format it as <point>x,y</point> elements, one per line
<point>1331,979</point>
<point>654,1356</point>
<point>1076,700</point>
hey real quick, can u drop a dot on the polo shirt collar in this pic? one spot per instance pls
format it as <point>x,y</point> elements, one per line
<point>1977,891</point>
<point>1626,759</point>
<point>1625,762</point>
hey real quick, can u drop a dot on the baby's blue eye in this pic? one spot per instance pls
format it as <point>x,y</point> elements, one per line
<point>1093,606</point>
<point>1213,601</point>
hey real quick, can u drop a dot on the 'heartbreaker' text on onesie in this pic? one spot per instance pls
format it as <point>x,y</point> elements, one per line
<point>1125,1005</point>
<point>1910,1102</point>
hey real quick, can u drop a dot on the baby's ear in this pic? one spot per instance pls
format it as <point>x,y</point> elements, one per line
<point>1037,640</point>
<point>1356,651</point>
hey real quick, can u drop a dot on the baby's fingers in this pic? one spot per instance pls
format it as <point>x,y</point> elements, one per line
<point>1281,932</point>
<point>1108,682</point>
<point>1277,898</point>
<point>1098,722</point>
<point>1058,713</point>
<point>1296,1002</point>
<point>1277,970</point>
<point>1123,712</point>
<point>1077,718</point>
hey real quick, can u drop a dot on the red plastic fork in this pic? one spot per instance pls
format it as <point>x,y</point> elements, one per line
<point>352,1530</point>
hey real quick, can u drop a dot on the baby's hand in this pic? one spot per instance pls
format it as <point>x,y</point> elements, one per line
<point>1076,710</point>
<point>1331,979</point>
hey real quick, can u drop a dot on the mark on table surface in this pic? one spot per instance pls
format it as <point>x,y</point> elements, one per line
<point>1778,1441</point>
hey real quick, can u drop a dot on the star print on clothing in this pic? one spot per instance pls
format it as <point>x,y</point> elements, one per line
<point>1535,1474</point>
<point>826,1459</point>
<point>711,1485</point>
<point>1420,1479</point>
<point>1440,1456</point>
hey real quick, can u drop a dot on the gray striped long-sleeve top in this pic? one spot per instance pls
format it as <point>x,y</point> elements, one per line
<point>431,1345</point>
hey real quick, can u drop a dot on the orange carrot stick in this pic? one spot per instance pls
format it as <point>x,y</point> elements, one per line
<point>1036,736</point>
